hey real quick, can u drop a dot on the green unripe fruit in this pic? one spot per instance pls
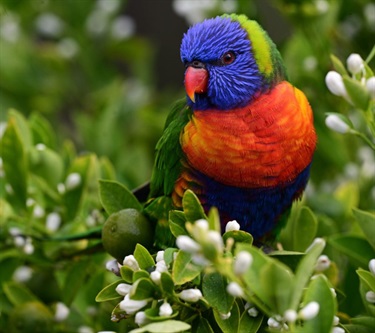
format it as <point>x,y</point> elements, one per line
<point>123,230</point>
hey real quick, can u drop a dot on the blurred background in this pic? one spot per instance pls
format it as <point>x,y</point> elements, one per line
<point>104,73</point>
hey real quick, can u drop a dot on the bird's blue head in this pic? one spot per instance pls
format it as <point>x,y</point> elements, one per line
<point>229,60</point>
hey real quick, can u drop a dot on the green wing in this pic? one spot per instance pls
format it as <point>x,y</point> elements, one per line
<point>167,167</point>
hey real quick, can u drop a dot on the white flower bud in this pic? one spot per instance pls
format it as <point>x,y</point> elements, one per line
<point>53,222</point>
<point>28,248</point>
<point>160,256</point>
<point>14,231</point>
<point>310,311</point>
<point>23,274</point>
<point>165,310</point>
<point>336,320</point>
<point>290,315</point>
<point>336,124</point>
<point>354,63</point>
<point>161,266</point>
<point>40,147</point>
<point>155,277</point>
<point>337,330</point>
<point>333,291</point>
<point>123,289</point>
<point>112,266</point>
<point>19,241</point>
<point>200,260</point>
<point>235,289</point>
<point>73,181</point>
<point>253,312</point>
<point>30,202</point>
<point>38,211</point>
<point>85,329</point>
<point>370,85</point>
<point>370,297</point>
<point>214,237</point>
<point>131,306</point>
<point>317,240</point>
<point>225,316</point>
<point>61,312</point>
<point>322,263</point>
<point>187,244</point>
<point>61,188</point>
<point>335,84</point>
<point>232,226</point>
<point>371,266</point>
<point>201,225</point>
<point>242,262</point>
<point>190,295</point>
<point>131,262</point>
<point>273,323</point>
<point>140,318</point>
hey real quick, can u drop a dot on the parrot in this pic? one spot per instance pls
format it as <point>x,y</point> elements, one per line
<point>243,137</point>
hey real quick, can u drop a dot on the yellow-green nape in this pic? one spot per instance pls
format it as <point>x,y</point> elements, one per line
<point>260,41</point>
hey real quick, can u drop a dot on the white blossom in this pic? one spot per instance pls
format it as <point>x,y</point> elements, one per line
<point>109,6</point>
<point>234,289</point>
<point>232,226</point>
<point>333,291</point>
<point>131,306</point>
<point>371,266</point>
<point>112,266</point>
<point>290,315</point>
<point>28,248</point>
<point>335,83</point>
<point>336,320</point>
<point>53,221</point>
<point>61,188</point>
<point>354,63</point>
<point>96,22</point>
<point>370,85</point>
<point>370,297</point>
<point>322,263</point>
<point>61,312</point>
<point>19,241</point>
<point>273,323</point>
<point>73,181</point>
<point>161,266</point>
<point>336,124</point>
<point>165,310</point>
<point>9,28</point>
<point>38,211</point>
<point>159,256</point>
<point>85,329</point>
<point>49,24</point>
<point>214,238</point>
<point>253,312</point>
<point>310,311</point>
<point>242,262</point>
<point>187,244</point>
<point>67,48</point>
<point>190,295</point>
<point>40,147</point>
<point>14,231</point>
<point>322,6</point>
<point>200,260</point>
<point>23,274</point>
<point>225,316</point>
<point>140,318</point>
<point>122,27</point>
<point>123,289</point>
<point>337,330</point>
<point>131,262</point>
<point>155,277</point>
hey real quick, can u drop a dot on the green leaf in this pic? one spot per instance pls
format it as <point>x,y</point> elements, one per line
<point>249,324</point>
<point>42,130</point>
<point>140,274</point>
<point>203,326</point>
<point>304,271</point>
<point>355,247</point>
<point>338,66</point>
<point>23,127</point>
<point>17,293</point>
<point>169,255</point>
<point>214,219</point>
<point>142,288</point>
<point>192,207</point>
<point>231,324</point>
<point>319,291</point>
<point>143,257</point>
<point>177,222</point>
<point>348,194</point>
<point>239,236</point>
<point>168,326</point>
<point>115,197</point>
<point>127,274</point>
<point>167,284</point>
<point>109,292</point>
<point>367,278</point>
<point>153,315</point>
<point>366,221</point>
<point>183,269</point>
<point>214,291</point>
<point>289,258</point>
<point>357,92</point>
<point>15,163</point>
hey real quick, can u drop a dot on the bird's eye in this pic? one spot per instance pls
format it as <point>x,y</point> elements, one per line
<point>228,58</point>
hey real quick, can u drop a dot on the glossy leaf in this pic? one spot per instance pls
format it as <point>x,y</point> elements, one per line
<point>367,278</point>
<point>127,274</point>
<point>213,219</point>
<point>366,221</point>
<point>239,236</point>
<point>177,222</point>
<point>214,291</point>
<point>250,324</point>
<point>192,208</point>
<point>338,65</point>
<point>183,268</point>
<point>231,324</point>
<point>17,293</point>
<point>109,292</point>
<point>167,326</point>
<point>167,284</point>
<point>203,326</point>
<point>357,92</point>
<point>115,197</point>
<point>143,257</point>
<point>142,288</point>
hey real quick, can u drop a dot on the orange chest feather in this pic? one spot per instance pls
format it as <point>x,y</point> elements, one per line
<point>266,143</point>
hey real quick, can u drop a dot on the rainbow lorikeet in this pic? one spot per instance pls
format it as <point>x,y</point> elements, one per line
<point>243,139</point>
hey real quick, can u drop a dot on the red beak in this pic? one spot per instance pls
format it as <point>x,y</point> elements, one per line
<point>196,80</point>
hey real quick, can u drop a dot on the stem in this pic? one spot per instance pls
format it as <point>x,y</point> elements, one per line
<point>364,138</point>
<point>371,55</point>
